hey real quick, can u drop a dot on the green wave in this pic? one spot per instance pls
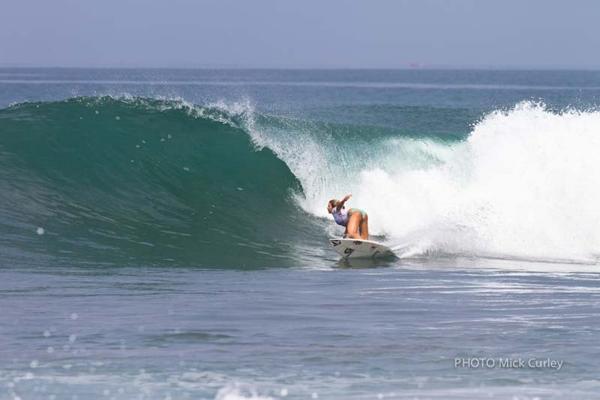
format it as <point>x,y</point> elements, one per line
<point>142,181</point>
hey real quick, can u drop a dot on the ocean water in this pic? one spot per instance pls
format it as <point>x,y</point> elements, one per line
<point>164,234</point>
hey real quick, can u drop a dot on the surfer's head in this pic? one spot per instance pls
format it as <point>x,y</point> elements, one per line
<point>331,205</point>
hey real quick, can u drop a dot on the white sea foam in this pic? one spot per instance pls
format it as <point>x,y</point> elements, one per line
<point>525,183</point>
<point>239,392</point>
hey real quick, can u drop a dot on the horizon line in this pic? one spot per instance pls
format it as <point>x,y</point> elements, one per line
<point>409,67</point>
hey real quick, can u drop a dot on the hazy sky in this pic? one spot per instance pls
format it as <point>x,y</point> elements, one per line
<point>307,33</point>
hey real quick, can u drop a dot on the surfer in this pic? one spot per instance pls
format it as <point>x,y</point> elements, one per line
<point>355,220</point>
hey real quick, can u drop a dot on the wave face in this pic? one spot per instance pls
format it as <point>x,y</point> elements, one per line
<point>147,181</point>
<point>141,180</point>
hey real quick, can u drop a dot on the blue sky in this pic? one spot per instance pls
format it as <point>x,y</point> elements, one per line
<point>308,33</point>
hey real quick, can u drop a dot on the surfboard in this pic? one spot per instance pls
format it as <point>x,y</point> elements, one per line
<point>358,248</point>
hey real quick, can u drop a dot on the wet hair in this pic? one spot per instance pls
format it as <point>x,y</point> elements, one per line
<point>333,203</point>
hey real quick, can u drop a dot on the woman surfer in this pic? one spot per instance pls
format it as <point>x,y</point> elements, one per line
<point>355,220</point>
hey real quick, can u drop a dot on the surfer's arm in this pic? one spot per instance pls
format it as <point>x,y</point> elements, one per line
<point>341,203</point>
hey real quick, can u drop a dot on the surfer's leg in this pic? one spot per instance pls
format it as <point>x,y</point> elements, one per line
<point>354,225</point>
<point>364,226</point>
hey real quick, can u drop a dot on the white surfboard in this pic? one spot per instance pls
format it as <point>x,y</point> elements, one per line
<point>358,248</point>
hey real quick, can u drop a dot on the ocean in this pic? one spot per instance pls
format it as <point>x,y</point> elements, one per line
<point>163,234</point>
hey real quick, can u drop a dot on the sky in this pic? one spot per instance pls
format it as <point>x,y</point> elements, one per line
<point>301,34</point>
